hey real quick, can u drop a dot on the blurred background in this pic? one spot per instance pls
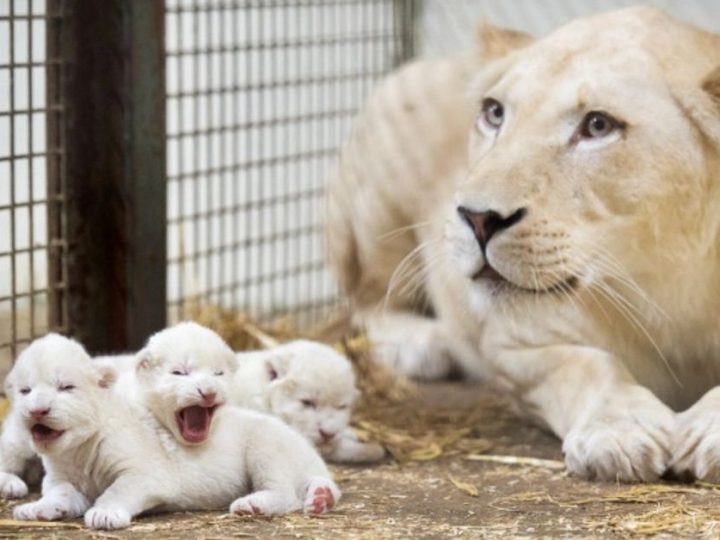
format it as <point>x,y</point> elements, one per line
<point>156,155</point>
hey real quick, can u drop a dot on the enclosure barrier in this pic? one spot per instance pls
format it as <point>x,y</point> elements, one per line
<point>167,153</point>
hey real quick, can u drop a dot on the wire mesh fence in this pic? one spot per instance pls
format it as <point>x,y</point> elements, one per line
<point>28,110</point>
<point>260,96</point>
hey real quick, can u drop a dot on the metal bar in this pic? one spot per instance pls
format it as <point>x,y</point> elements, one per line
<point>113,131</point>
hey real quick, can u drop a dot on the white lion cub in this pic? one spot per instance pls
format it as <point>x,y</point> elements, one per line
<point>186,451</point>
<point>312,388</point>
<point>17,458</point>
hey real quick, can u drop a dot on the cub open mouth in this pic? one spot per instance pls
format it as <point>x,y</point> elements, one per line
<point>194,422</point>
<point>44,434</point>
<point>489,273</point>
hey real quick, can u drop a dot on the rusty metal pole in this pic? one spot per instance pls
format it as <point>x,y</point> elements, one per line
<point>112,131</point>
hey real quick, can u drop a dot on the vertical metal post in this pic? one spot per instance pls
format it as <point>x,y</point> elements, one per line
<point>405,19</point>
<point>112,85</point>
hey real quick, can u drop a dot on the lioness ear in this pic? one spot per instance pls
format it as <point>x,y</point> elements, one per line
<point>496,42</point>
<point>107,376</point>
<point>711,84</point>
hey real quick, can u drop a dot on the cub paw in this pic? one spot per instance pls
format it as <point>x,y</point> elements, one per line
<point>696,444</point>
<point>322,495</point>
<point>627,445</point>
<point>12,486</point>
<point>107,518</point>
<point>39,511</point>
<point>368,452</point>
<point>249,505</point>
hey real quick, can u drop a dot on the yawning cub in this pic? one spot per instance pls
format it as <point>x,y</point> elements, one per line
<point>186,451</point>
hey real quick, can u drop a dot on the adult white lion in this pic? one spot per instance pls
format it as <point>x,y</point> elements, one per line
<point>561,221</point>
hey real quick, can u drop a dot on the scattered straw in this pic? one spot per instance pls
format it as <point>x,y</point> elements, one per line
<point>519,460</point>
<point>465,487</point>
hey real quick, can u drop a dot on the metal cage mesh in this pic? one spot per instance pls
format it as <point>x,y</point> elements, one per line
<point>28,108</point>
<point>260,96</point>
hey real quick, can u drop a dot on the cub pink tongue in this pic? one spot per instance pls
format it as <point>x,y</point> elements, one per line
<point>195,423</point>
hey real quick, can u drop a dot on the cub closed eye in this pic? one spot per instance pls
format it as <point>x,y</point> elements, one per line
<point>598,124</point>
<point>66,387</point>
<point>219,372</point>
<point>178,372</point>
<point>25,391</point>
<point>310,403</point>
<point>492,114</point>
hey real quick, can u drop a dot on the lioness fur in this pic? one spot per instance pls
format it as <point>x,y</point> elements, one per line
<point>594,302</point>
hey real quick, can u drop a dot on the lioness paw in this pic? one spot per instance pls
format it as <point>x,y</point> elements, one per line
<point>107,518</point>
<point>696,442</point>
<point>627,446</point>
<point>41,510</point>
<point>12,486</point>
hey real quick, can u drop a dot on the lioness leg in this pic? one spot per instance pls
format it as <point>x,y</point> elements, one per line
<point>696,442</point>
<point>612,428</point>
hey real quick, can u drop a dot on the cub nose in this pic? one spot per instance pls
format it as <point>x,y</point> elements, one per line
<point>208,397</point>
<point>326,435</point>
<point>486,224</point>
<point>39,413</point>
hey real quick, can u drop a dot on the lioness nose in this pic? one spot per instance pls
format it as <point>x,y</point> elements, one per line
<point>486,224</point>
<point>39,413</point>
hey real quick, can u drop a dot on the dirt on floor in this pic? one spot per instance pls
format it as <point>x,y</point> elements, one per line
<point>475,471</point>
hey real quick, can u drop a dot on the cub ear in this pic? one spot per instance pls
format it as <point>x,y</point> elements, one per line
<point>146,361</point>
<point>9,385</point>
<point>496,42</point>
<point>106,376</point>
<point>277,365</point>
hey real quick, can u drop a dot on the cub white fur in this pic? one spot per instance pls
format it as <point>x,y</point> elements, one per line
<point>17,458</point>
<point>111,460</point>
<point>311,387</point>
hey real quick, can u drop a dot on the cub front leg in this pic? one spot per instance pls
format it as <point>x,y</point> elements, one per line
<point>696,442</point>
<point>413,345</point>
<point>266,502</point>
<point>15,455</point>
<point>347,448</point>
<point>60,501</point>
<point>127,497</point>
<point>612,428</point>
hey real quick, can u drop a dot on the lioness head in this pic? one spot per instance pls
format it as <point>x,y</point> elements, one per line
<point>183,374</point>
<point>594,158</point>
<point>312,389</point>
<point>57,390</point>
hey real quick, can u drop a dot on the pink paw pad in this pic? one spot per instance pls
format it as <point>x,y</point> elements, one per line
<point>323,500</point>
<point>252,511</point>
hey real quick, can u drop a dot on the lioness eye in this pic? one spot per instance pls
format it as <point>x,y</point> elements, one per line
<point>493,113</point>
<point>66,387</point>
<point>219,372</point>
<point>25,391</point>
<point>597,124</point>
